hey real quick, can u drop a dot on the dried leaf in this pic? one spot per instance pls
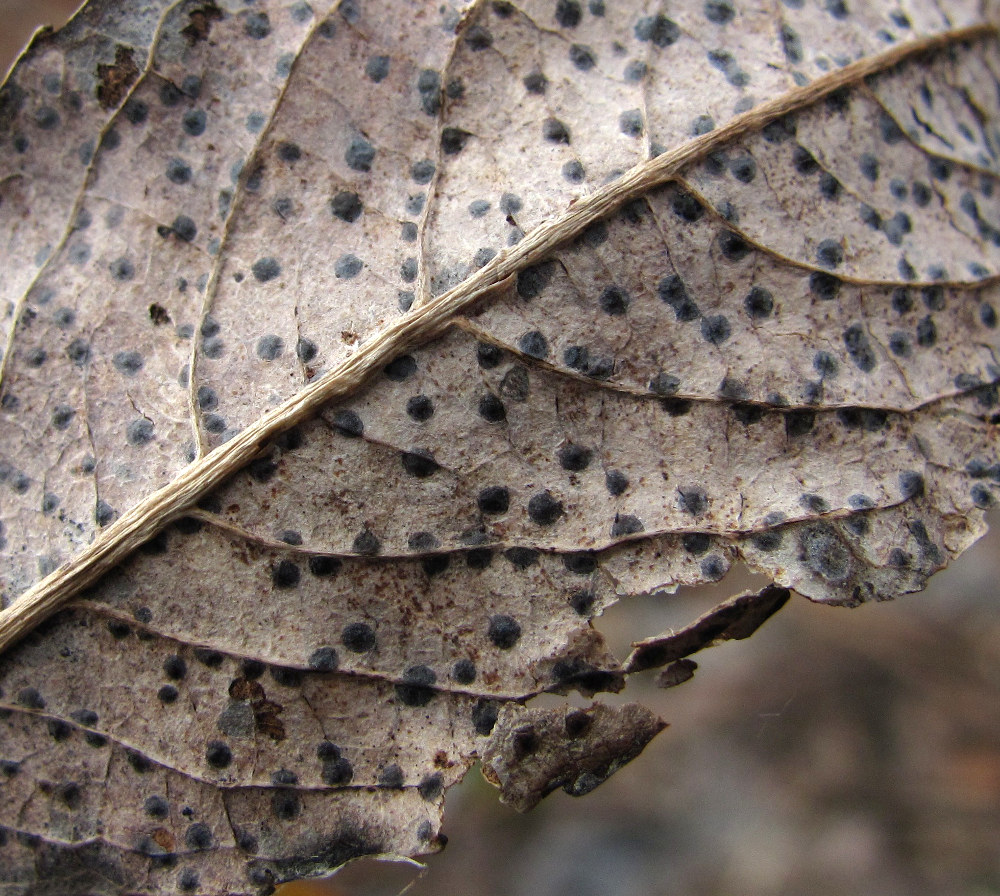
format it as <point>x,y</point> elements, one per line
<point>360,354</point>
<point>735,619</point>
<point>532,753</point>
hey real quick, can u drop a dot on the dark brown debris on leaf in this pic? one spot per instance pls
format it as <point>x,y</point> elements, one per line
<point>734,619</point>
<point>115,80</point>
<point>201,22</point>
<point>535,751</point>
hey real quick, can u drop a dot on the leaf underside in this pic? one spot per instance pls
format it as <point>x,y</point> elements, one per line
<point>780,351</point>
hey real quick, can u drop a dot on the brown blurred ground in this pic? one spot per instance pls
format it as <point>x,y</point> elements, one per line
<point>836,753</point>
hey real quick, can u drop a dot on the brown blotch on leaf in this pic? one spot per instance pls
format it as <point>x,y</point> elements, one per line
<point>200,25</point>
<point>734,619</point>
<point>265,712</point>
<point>164,839</point>
<point>115,80</point>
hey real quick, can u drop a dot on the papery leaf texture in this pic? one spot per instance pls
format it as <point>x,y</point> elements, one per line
<point>358,355</point>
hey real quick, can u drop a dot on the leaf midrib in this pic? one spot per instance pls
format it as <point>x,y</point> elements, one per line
<point>421,324</point>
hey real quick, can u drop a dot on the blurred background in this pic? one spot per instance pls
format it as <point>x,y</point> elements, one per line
<point>835,753</point>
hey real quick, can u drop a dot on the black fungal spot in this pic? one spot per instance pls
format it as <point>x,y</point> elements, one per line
<point>814,503</point>
<point>544,509</point>
<point>693,501</point>
<point>348,424</point>
<point>122,269</point>
<point>174,667</point>
<point>574,458</point>
<point>264,269</point>
<point>568,13</point>
<point>696,543</point>
<point>419,464</point>
<point>660,30</point>
<point>484,716</point>
<point>829,186</point>
<point>429,88</point>
<point>865,419</point>
<point>503,631</point>
<point>825,364</point>
<point>366,543</point>
<point>630,123</point>
<point>530,284</point>
<point>324,659</point>
<point>734,248</point>
<point>582,57</point>
<point>358,637</point>
<point>453,140</point>
<point>743,168</point>
<point>687,207</point>
<point>825,287</point>
<point>400,368</point>
<point>673,291</point>
<point>285,574</point>
<point>140,764</point>
<point>199,836</point>
<point>347,206</point>
<point>536,83</point>
<point>715,329</point>
<point>900,345</point>
<point>492,409</point>
<point>521,558</point>
<point>616,482</point>
<point>582,602</point>
<point>926,332</point>
<point>719,12</point>
<point>869,166</point>
<point>714,568</point>
<point>464,671</point>
<point>933,297</point>
<point>270,347</point>
<point>911,484</point>
<point>420,408</point>
<point>859,348</point>
<point>626,524</point>
<point>493,499</point>
<point>791,44</point>
<point>377,68</point>
<point>614,301</point>
<point>534,344</point>
<point>347,267</point>
<point>823,553</point>
<point>555,131</point>
<point>391,777</point>
<point>210,658</point>
<point>759,303</point>
<point>581,563</point>
<point>417,686</point>
<point>573,172</point>
<point>58,730</point>
<point>435,565</point>
<point>799,423</point>
<point>829,253</point>
<point>360,154</point>
<point>478,38</point>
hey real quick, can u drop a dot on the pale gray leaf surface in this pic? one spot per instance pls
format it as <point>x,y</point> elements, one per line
<point>782,352</point>
<point>60,97</point>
